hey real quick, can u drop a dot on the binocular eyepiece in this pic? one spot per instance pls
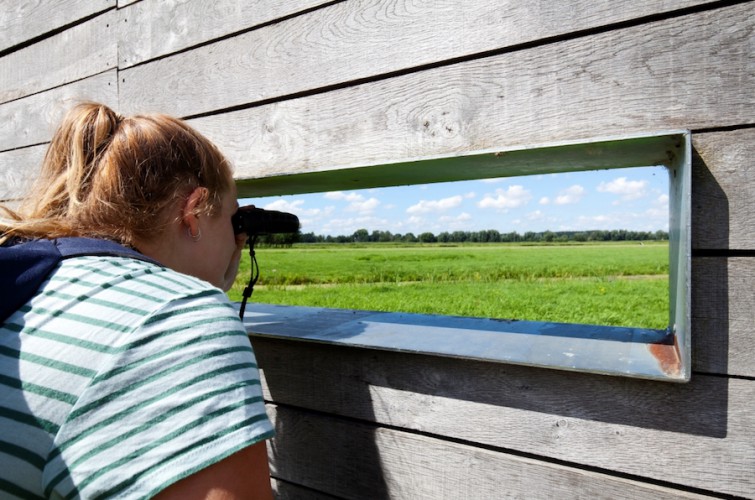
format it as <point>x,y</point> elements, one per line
<point>254,221</point>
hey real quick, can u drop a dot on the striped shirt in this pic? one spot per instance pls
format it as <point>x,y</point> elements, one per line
<point>120,378</point>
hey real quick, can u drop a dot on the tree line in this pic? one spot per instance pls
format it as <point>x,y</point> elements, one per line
<point>485,236</point>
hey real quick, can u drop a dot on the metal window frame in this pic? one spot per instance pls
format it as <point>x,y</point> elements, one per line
<point>632,352</point>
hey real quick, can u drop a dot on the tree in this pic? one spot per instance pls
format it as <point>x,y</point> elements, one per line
<point>427,237</point>
<point>361,236</point>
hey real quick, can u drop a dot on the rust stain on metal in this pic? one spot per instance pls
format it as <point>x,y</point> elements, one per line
<point>668,357</point>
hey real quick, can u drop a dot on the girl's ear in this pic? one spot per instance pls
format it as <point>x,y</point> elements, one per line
<point>194,205</point>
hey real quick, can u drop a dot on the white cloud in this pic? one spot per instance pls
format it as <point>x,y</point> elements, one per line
<point>570,195</point>
<point>363,205</point>
<point>347,226</point>
<point>462,217</point>
<point>357,202</point>
<point>536,215</point>
<point>341,196</point>
<point>425,206</point>
<point>544,200</point>
<point>294,207</point>
<point>284,205</point>
<point>513,197</point>
<point>626,189</point>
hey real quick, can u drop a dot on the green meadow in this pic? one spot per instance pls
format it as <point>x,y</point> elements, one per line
<point>612,283</point>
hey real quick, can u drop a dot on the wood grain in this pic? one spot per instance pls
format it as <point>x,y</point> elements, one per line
<point>349,41</point>
<point>76,53</point>
<point>723,183</point>
<point>615,83</point>
<point>24,20</point>
<point>157,28</point>
<point>283,490</point>
<point>354,460</point>
<point>723,312</point>
<point>32,120</point>
<point>696,434</point>
<point>18,169</point>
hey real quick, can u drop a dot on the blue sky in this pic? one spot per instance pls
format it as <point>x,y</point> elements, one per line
<point>632,198</point>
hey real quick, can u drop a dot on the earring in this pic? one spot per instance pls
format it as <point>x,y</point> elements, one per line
<point>194,237</point>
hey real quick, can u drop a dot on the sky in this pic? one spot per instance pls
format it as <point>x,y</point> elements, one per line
<point>631,198</point>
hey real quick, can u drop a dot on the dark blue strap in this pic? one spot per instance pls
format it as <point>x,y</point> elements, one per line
<point>25,266</point>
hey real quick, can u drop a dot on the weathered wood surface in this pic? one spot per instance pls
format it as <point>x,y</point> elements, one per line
<point>355,460</point>
<point>283,490</point>
<point>723,315</point>
<point>697,434</point>
<point>24,20</point>
<point>723,183</point>
<point>32,120</point>
<point>158,28</point>
<point>349,41</point>
<point>126,3</point>
<point>76,53</point>
<point>18,169</point>
<point>614,83</point>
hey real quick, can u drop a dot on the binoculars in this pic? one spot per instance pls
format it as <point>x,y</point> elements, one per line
<point>255,221</point>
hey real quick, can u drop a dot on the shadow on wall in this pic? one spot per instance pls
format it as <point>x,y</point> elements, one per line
<point>312,451</point>
<point>710,280</point>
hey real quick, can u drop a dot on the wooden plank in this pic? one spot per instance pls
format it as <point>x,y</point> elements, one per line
<point>157,28</point>
<point>18,169</point>
<point>350,41</point>
<point>353,460</point>
<point>283,490</point>
<point>24,20</point>
<point>615,83</point>
<point>32,120</point>
<point>79,52</point>
<point>723,312</point>
<point>696,434</point>
<point>126,3</point>
<point>723,181</point>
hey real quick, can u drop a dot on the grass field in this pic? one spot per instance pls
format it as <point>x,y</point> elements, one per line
<point>618,284</point>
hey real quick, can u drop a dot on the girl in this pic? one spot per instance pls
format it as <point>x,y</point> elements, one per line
<point>129,374</point>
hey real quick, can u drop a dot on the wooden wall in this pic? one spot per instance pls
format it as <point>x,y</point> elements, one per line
<point>312,86</point>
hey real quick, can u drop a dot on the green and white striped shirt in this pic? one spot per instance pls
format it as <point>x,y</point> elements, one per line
<point>119,378</point>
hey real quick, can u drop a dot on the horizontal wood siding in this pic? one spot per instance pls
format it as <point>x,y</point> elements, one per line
<point>84,50</point>
<point>682,72</point>
<point>159,28</point>
<point>357,460</point>
<point>25,20</point>
<point>319,87</point>
<point>18,169</point>
<point>697,435</point>
<point>722,320</point>
<point>30,120</point>
<point>355,40</point>
<point>723,183</point>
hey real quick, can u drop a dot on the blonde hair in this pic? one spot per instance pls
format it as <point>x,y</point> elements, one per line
<point>113,177</point>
